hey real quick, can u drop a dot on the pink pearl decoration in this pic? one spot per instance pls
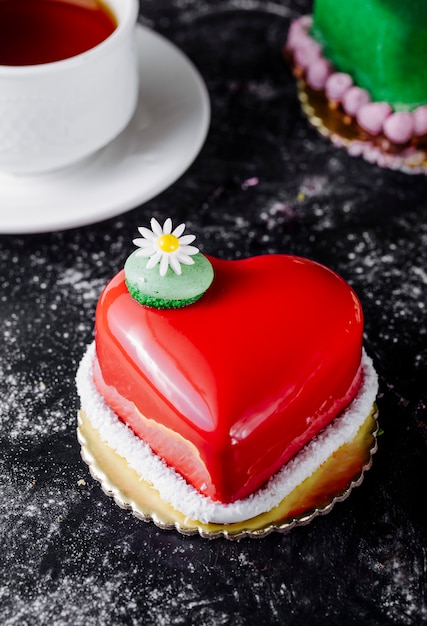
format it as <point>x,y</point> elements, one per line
<point>318,73</point>
<point>336,86</point>
<point>298,32</point>
<point>306,22</point>
<point>307,53</point>
<point>419,117</point>
<point>354,99</point>
<point>399,127</point>
<point>371,116</point>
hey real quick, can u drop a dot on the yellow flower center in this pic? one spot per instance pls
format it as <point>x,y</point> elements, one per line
<point>168,243</point>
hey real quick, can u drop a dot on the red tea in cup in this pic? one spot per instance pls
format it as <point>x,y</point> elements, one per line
<point>33,32</point>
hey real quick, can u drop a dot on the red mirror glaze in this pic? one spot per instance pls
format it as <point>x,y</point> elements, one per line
<point>230,388</point>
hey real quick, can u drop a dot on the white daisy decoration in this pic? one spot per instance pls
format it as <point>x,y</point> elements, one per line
<point>168,247</point>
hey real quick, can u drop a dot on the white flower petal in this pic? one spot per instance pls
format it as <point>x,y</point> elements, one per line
<point>152,262</point>
<point>188,249</point>
<point>145,252</point>
<point>175,265</point>
<point>183,241</point>
<point>156,228</point>
<point>167,226</point>
<point>147,233</point>
<point>164,264</point>
<point>186,260</point>
<point>179,230</point>
<point>143,243</point>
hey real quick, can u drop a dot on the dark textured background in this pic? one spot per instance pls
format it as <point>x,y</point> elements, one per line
<point>264,182</point>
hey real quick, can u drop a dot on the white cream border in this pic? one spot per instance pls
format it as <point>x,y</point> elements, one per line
<point>172,487</point>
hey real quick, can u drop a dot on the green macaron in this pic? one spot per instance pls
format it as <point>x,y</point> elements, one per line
<point>172,290</point>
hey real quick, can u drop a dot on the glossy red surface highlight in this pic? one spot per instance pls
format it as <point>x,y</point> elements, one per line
<point>228,389</point>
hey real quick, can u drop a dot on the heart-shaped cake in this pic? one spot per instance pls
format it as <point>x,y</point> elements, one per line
<point>229,398</point>
<point>229,388</point>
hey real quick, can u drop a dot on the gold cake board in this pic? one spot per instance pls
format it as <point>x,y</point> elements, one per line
<point>341,130</point>
<point>332,482</point>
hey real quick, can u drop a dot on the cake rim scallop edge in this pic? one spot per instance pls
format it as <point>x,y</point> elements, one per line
<point>126,503</point>
<point>100,472</point>
<point>312,106</point>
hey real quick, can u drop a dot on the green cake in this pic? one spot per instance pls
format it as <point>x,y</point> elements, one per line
<point>361,69</point>
<point>382,44</point>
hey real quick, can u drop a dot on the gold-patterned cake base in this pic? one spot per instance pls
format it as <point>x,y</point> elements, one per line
<point>332,482</point>
<point>343,131</point>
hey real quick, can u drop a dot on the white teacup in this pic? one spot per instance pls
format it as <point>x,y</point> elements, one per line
<point>55,114</point>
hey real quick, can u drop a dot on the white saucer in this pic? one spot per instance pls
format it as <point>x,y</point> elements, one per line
<point>163,138</point>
